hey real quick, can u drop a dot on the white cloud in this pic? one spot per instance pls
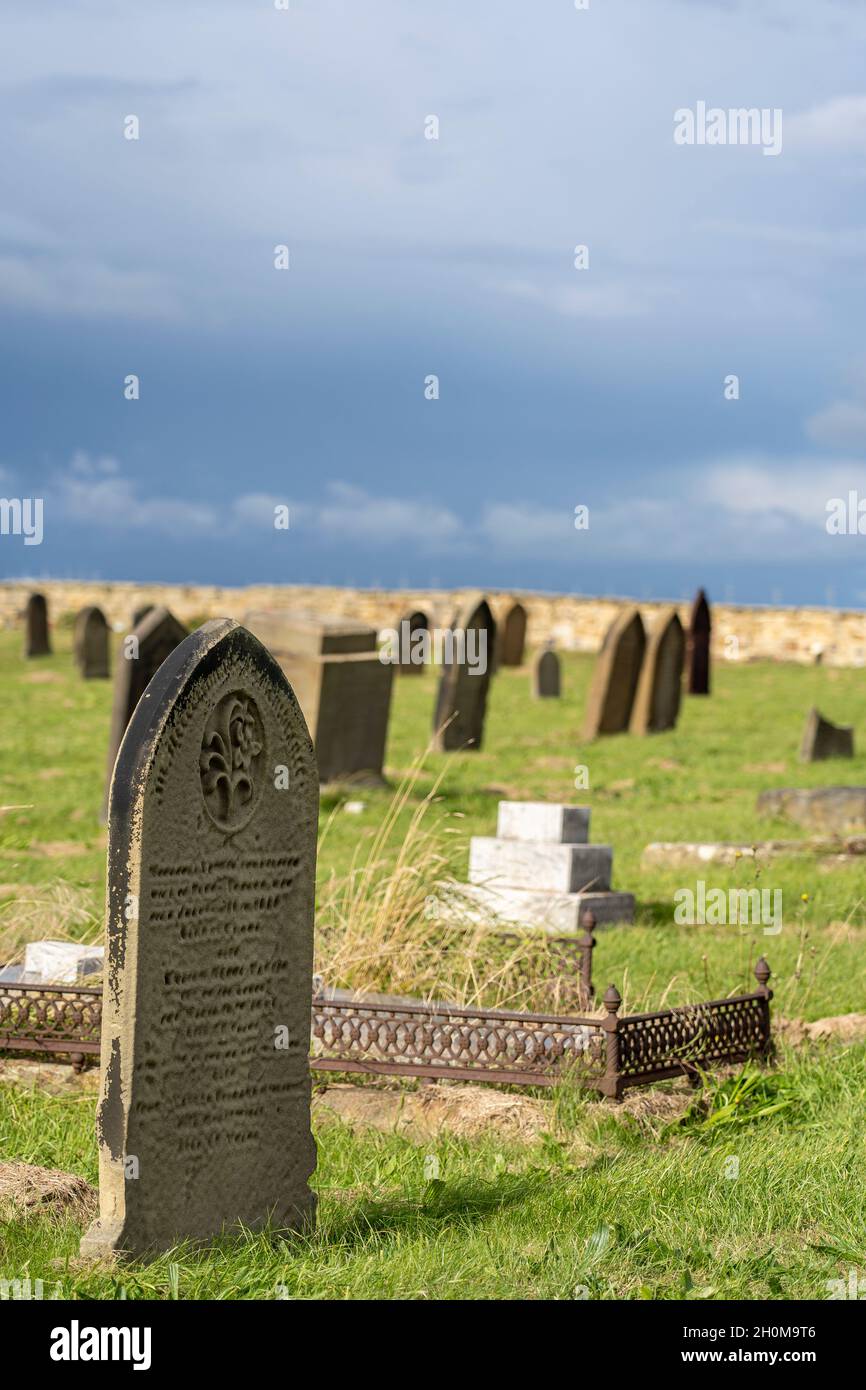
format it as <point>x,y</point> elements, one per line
<point>352,513</point>
<point>773,492</point>
<point>88,289</point>
<point>741,506</point>
<point>614,300</point>
<point>840,425</point>
<point>837,124</point>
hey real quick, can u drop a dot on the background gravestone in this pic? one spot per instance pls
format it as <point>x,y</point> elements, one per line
<point>204,1115</point>
<point>342,686</point>
<point>512,636</point>
<point>698,646</point>
<point>417,622</point>
<point>36,639</point>
<point>615,677</point>
<point>657,701</point>
<point>462,695</point>
<point>545,676</point>
<point>91,643</point>
<point>821,739</point>
<point>140,614</point>
<point>154,639</point>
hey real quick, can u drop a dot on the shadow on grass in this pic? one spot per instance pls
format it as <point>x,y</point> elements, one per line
<point>440,1204</point>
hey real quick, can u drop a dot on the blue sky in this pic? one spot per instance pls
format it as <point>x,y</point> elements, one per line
<point>453,257</point>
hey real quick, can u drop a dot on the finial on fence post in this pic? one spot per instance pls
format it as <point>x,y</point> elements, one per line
<point>762,975</point>
<point>765,994</point>
<point>611,1082</point>
<point>585,946</point>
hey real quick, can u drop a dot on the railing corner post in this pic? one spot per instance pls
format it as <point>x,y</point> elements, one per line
<point>765,994</point>
<point>585,946</point>
<point>611,1083</point>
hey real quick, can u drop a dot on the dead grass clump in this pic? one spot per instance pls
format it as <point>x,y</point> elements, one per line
<point>396,923</point>
<point>60,912</point>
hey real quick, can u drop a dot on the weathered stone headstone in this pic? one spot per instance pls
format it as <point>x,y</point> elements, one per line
<point>91,643</point>
<point>204,1115</point>
<point>408,626</point>
<point>698,646</point>
<point>140,614</point>
<point>342,686</point>
<point>657,701</point>
<point>461,703</point>
<point>545,676</point>
<point>142,653</point>
<point>615,677</point>
<point>821,739</point>
<point>512,636</point>
<point>36,639</point>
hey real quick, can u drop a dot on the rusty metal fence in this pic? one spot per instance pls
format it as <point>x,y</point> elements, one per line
<point>409,1038</point>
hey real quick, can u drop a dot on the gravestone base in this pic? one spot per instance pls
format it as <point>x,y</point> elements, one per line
<point>539,871</point>
<point>557,913</point>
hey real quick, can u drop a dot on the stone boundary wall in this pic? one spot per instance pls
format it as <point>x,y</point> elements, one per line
<point>835,636</point>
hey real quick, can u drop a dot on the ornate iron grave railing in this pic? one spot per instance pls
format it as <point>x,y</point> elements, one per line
<point>405,1037</point>
<point>51,1018</point>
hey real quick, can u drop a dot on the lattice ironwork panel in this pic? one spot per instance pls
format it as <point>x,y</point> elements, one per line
<point>54,1014</point>
<point>421,1036</point>
<point>703,1034</point>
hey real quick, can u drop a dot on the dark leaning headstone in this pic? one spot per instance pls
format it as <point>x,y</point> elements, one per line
<point>545,676</point>
<point>409,624</point>
<point>821,739</point>
<point>512,637</point>
<point>204,1115</point>
<point>458,720</point>
<point>698,646</point>
<point>140,614</point>
<point>615,677</point>
<point>657,700</point>
<point>91,643</point>
<point>36,639</point>
<point>142,652</point>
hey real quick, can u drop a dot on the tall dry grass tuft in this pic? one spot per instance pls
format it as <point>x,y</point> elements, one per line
<point>378,928</point>
<point>59,912</point>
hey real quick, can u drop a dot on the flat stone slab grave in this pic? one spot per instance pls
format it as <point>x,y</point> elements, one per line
<point>672,854</point>
<point>835,809</point>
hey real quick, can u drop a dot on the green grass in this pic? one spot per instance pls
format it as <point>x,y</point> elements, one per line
<point>606,1207</point>
<point>608,1204</point>
<point>699,781</point>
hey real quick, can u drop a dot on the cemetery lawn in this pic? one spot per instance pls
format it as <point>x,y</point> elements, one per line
<point>609,1204</point>
<point>610,1201</point>
<point>698,782</point>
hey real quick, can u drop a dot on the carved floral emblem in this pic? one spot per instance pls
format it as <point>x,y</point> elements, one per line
<point>232,753</point>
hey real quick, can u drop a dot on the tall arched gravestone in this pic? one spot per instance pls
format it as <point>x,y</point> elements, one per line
<point>615,676</point>
<point>461,704</point>
<point>36,639</point>
<point>91,643</point>
<point>142,652</point>
<point>410,623</point>
<point>204,1115</point>
<point>512,636</point>
<point>657,702</point>
<point>698,646</point>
